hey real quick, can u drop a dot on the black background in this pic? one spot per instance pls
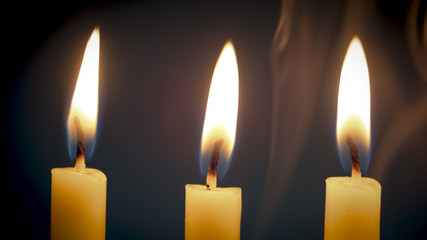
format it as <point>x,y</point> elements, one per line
<point>156,64</point>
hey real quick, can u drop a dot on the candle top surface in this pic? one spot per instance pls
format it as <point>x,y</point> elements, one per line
<point>354,182</point>
<point>199,187</point>
<point>90,173</point>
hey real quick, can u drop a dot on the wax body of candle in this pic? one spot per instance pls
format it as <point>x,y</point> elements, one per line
<point>212,214</point>
<point>352,208</point>
<point>78,204</point>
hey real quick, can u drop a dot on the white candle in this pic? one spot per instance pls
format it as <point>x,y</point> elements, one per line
<point>78,200</point>
<point>352,208</point>
<point>212,212</point>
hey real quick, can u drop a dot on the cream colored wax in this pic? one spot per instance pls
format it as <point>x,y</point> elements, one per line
<point>78,204</point>
<point>352,208</point>
<point>212,214</point>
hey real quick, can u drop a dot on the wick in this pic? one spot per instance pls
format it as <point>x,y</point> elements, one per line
<point>80,161</point>
<point>354,155</point>
<point>211,178</point>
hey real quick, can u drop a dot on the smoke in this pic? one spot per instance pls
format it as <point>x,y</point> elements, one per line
<point>411,117</point>
<point>298,58</point>
<point>405,126</point>
<point>307,52</point>
<point>416,29</point>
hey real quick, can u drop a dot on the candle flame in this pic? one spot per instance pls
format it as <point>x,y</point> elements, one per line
<point>354,106</point>
<point>84,104</point>
<point>221,111</point>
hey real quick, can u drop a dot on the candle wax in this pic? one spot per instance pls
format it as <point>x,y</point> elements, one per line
<point>212,214</point>
<point>352,208</point>
<point>78,204</point>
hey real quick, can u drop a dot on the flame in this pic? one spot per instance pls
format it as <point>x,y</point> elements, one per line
<point>354,106</point>
<point>221,111</point>
<point>85,99</point>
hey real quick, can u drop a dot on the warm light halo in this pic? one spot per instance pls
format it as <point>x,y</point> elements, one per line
<point>84,104</point>
<point>354,99</point>
<point>222,107</point>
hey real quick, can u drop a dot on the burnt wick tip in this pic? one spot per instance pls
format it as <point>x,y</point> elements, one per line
<point>215,157</point>
<point>80,137</point>
<point>354,154</point>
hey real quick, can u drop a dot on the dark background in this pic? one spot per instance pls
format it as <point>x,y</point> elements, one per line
<point>156,64</point>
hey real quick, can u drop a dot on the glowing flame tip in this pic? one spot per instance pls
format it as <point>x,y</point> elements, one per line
<point>354,105</point>
<point>84,104</point>
<point>221,111</point>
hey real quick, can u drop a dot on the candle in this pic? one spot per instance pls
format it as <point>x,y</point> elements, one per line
<point>213,212</point>
<point>352,208</point>
<point>78,193</point>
